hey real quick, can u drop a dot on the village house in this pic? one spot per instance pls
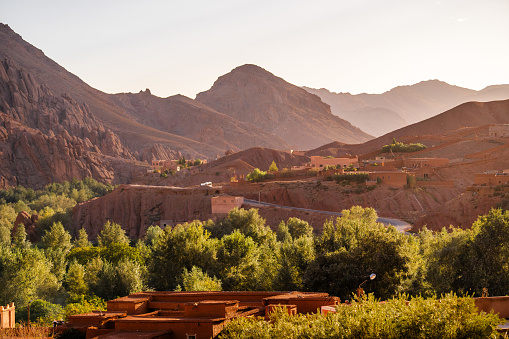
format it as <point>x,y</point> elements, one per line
<point>163,165</point>
<point>321,162</point>
<point>499,131</point>
<point>189,315</point>
<point>223,204</point>
<point>424,167</point>
<point>491,178</point>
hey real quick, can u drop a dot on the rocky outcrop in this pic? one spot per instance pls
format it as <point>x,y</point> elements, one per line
<point>135,208</point>
<point>29,222</point>
<point>35,106</point>
<point>251,94</point>
<point>33,159</point>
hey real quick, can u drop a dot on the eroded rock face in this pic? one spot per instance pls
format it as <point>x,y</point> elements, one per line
<point>135,208</point>
<point>44,138</point>
<point>28,221</point>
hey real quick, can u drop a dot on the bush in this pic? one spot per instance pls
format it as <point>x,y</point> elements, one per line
<point>402,148</point>
<point>353,177</point>
<point>450,317</point>
<point>40,311</point>
<point>256,176</point>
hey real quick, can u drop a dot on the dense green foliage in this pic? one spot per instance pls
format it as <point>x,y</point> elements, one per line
<point>71,274</point>
<point>256,175</point>
<point>450,317</point>
<point>399,147</point>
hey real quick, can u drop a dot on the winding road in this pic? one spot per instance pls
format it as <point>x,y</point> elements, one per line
<point>400,225</point>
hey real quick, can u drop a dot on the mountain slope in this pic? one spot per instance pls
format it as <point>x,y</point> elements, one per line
<point>412,103</point>
<point>183,116</point>
<point>469,114</point>
<point>251,94</point>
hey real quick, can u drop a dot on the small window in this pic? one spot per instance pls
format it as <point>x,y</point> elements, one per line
<point>191,336</point>
<point>224,201</point>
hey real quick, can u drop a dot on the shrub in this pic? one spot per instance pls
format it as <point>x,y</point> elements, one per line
<point>396,146</point>
<point>40,311</point>
<point>257,175</point>
<point>451,317</point>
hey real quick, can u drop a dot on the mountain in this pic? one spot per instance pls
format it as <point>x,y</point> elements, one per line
<point>142,137</point>
<point>467,115</point>
<point>188,118</point>
<point>251,94</point>
<point>402,104</point>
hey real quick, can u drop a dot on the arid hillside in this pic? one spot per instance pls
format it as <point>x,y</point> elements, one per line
<point>251,94</point>
<point>379,114</point>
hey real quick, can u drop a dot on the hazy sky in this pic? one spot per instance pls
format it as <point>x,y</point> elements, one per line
<point>352,46</point>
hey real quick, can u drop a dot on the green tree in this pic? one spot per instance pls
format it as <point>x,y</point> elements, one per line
<point>299,228</point>
<point>82,239</point>
<point>239,257</point>
<point>354,247</point>
<point>57,243</point>
<point>410,181</point>
<point>75,280</point>
<point>41,311</point>
<point>183,246</point>
<point>484,263</point>
<point>20,237</point>
<point>248,222</point>
<point>112,233</point>
<point>273,167</point>
<point>153,232</point>
<point>294,257</point>
<point>256,175</point>
<point>196,280</point>
<point>26,275</point>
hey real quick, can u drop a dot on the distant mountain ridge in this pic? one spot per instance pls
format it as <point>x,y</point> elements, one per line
<point>251,94</point>
<point>469,114</point>
<point>378,114</point>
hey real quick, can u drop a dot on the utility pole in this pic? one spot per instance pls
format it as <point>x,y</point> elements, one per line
<point>28,308</point>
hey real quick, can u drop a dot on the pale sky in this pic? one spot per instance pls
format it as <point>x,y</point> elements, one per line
<point>356,46</point>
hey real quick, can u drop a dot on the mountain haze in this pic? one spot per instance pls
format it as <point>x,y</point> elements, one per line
<point>381,113</point>
<point>469,114</point>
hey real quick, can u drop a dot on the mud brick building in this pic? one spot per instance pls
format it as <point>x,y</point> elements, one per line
<point>188,315</point>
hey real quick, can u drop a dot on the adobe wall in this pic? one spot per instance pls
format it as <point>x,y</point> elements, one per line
<point>425,162</point>
<point>489,179</point>
<point>499,131</point>
<point>224,204</point>
<point>7,316</point>
<point>499,305</point>
<point>319,161</point>
<point>395,179</point>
